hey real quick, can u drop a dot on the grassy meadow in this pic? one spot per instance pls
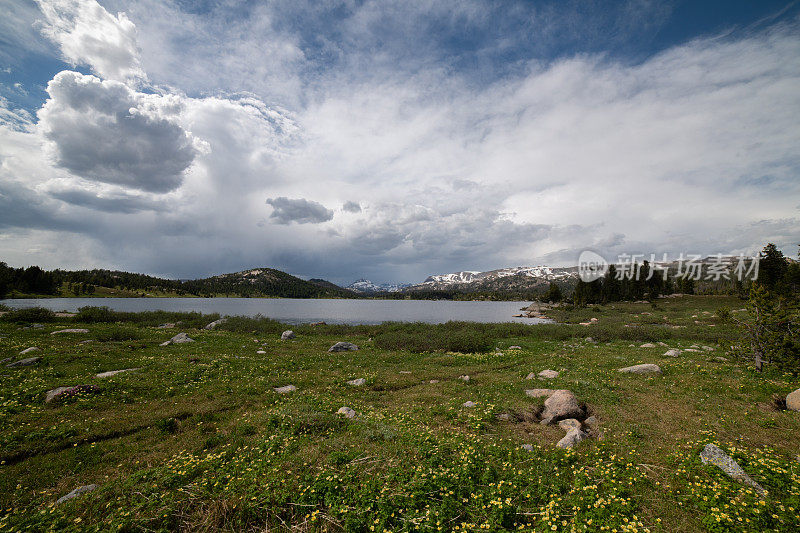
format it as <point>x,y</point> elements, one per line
<point>197,439</point>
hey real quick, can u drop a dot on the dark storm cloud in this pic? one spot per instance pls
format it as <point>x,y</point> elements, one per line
<point>299,210</point>
<point>110,204</point>
<point>104,131</point>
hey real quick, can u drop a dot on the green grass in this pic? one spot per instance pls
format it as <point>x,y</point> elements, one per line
<point>198,440</point>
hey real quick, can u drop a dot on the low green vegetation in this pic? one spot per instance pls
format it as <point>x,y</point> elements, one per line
<point>197,439</point>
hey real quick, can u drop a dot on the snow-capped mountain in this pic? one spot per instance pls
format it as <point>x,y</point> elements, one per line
<point>522,275</point>
<point>365,286</point>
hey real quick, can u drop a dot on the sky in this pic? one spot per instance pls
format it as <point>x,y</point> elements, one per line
<point>391,140</point>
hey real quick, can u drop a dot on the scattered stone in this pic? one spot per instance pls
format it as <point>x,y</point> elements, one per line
<point>29,350</point>
<point>539,393</point>
<point>180,338</point>
<point>572,438</point>
<point>505,417</point>
<point>342,347</point>
<point>672,353</point>
<point>76,492</point>
<point>591,422</point>
<point>569,423</point>
<point>721,359</point>
<point>114,372</point>
<point>708,348</point>
<point>793,400</point>
<point>548,374</point>
<point>87,341</point>
<point>288,334</point>
<point>433,381</point>
<point>714,455</point>
<point>260,352</point>
<point>560,405</point>
<point>6,360</point>
<point>78,330</point>
<point>168,325</point>
<point>691,350</point>
<point>593,320</point>
<point>515,347</point>
<point>346,412</point>
<point>64,392</point>
<point>661,343</point>
<point>468,404</point>
<point>357,382</point>
<point>405,371</point>
<point>527,447</point>
<point>24,362</point>
<point>285,389</point>
<point>641,369</point>
<point>647,345</point>
<point>591,340</point>
<point>464,378</point>
<point>214,324</point>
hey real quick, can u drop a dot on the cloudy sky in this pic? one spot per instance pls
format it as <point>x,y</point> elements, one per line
<point>393,140</point>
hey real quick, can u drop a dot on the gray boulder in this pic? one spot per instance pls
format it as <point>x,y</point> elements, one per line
<point>74,330</point>
<point>285,389</point>
<point>548,374</point>
<point>29,350</point>
<point>647,345</point>
<point>288,334</point>
<point>464,378</point>
<point>357,382</point>
<point>672,353</point>
<point>468,404</point>
<point>515,347</point>
<point>346,412</point>
<point>110,373</point>
<point>714,455</point>
<point>214,324</point>
<point>569,423</point>
<point>58,392</point>
<point>24,362</point>
<point>560,405</point>
<point>573,437</point>
<point>641,369</point>
<point>793,400</point>
<point>76,492</point>
<point>180,338</point>
<point>342,347</point>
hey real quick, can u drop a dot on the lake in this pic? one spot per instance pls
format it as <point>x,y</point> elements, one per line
<point>299,311</point>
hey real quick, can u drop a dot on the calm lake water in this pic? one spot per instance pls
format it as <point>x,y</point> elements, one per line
<point>299,311</point>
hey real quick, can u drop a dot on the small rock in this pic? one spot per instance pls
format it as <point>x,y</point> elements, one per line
<point>593,320</point>
<point>78,330</point>
<point>691,350</point>
<point>357,382</point>
<point>793,400</point>
<point>87,341</point>
<point>260,352</point>
<point>672,353</point>
<point>6,360</point>
<point>288,334</point>
<point>433,381</point>
<point>572,438</point>
<point>641,369</point>
<point>346,412</point>
<point>54,393</point>
<point>569,423</point>
<point>180,338</point>
<point>527,447</point>
<point>721,359</point>
<point>468,404</point>
<point>560,405</point>
<point>708,348</point>
<point>464,378</point>
<point>647,345</point>
<point>168,325</point>
<point>214,324</point>
<point>591,422</point>
<point>504,417</point>
<point>24,362</point>
<point>29,350</point>
<point>285,389</point>
<point>714,455</point>
<point>515,347</point>
<point>591,340</point>
<point>539,393</point>
<point>60,392</point>
<point>76,492</point>
<point>114,372</point>
<point>660,343</point>
<point>342,347</point>
<point>548,374</point>
<point>405,371</point>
